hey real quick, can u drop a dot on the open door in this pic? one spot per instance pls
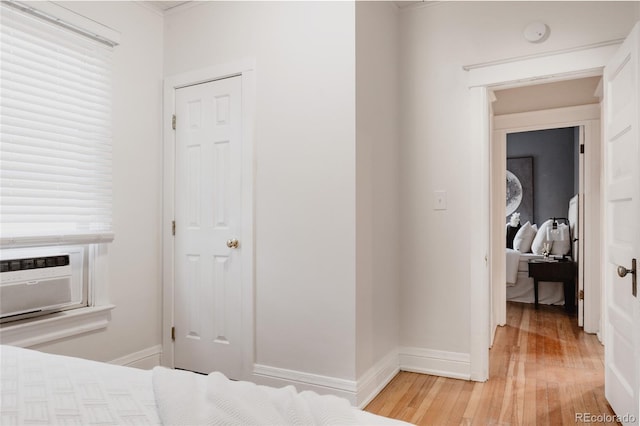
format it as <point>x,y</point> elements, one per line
<point>622,213</point>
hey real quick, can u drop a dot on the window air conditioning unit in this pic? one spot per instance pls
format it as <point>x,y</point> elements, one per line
<point>34,284</point>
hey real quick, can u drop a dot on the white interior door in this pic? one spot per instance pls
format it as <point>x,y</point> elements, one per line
<point>622,183</point>
<point>208,255</point>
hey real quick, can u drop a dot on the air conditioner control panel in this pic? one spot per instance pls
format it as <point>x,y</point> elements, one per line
<point>34,268</point>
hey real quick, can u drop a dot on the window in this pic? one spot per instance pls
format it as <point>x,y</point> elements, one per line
<point>55,140</point>
<point>55,134</point>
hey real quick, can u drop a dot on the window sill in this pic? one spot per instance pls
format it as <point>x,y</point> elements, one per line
<point>55,326</point>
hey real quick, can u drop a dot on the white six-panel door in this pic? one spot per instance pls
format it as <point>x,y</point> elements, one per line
<point>208,255</point>
<point>622,186</point>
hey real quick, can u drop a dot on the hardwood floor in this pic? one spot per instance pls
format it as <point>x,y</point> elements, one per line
<point>543,370</point>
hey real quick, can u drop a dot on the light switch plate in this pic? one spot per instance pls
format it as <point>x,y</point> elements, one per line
<point>440,200</point>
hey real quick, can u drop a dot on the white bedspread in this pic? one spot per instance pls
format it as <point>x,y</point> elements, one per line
<point>188,398</point>
<point>39,388</point>
<point>45,389</point>
<point>513,259</point>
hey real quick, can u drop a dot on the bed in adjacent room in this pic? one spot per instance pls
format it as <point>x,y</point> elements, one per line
<point>528,244</point>
<point>40,388</point>
<point>520,285</point>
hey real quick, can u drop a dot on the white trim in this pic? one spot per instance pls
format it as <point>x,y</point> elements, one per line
<point>60,325</point>
<point>191,78</point>
<point>480,79</point>
<point>615,42</point>
<point>456,365</point>
<point>145,359</point>
<point>68,18</point>
<point>55,240</point>
<point>245,69</point>
<point>588,118</point>
<point>56,326</point>
<point>422,4</point>
<point>98,275</point>
<point>148,7</point>
<point>376,378</point>
<point>535,120</point>
<point>303,377</point>
<point>359,393</point>
<point>479,253</point>
<point>279,377</point>
<point>181,8</point>
<point>559,66</point>
<point>498,264</point>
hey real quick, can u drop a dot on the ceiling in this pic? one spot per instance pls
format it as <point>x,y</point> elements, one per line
<point>166,5</point>
<point>537,97</point>
<point>406,3</point>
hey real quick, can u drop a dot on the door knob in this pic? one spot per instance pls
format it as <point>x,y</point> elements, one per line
<point>233,243</point>
<point>622,272</point>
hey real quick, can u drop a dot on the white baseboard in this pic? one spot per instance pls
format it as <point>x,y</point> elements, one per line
<point>376,378</point>
<point>279,377</point>
<point>438,363</point>
<point>145,359</point>
<point>359,393</point>
<point>494,328</point>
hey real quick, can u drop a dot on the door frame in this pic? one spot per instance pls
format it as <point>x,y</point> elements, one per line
<point>246,70</point>
<point>587,117</point>
<point>482,79</point>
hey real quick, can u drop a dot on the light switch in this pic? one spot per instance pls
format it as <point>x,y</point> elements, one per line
<point>440,200</point>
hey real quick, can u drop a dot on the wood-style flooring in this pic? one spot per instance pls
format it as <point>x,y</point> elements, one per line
<point>543,370</point>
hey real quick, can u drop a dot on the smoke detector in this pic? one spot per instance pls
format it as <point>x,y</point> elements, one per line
<point>536,32</point>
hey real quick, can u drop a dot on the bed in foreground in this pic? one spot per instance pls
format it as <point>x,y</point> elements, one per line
<point>40,388</point>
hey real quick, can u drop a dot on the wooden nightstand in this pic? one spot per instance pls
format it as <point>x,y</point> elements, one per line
<point>564,271</point>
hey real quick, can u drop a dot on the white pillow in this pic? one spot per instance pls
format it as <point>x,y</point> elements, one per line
<point>562,247</point>
<point>524,237</point>
<point>541,237</point>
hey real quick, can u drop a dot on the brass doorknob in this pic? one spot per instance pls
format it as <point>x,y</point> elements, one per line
<point>233,243</point>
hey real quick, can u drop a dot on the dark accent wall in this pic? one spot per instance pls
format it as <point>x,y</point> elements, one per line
<point>554,168</point>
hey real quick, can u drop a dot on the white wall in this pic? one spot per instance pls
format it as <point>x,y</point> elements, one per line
<point>377,180</point>
<point>305,167</point>
<point>134,256</point>
<point>437,40</point>
<point>320,308</point>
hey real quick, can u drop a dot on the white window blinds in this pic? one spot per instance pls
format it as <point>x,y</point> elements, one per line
<point>55,133</point>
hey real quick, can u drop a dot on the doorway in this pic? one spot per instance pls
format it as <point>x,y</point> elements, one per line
<point>483,79</point>
<point>560,104</point>
<point>544,176</point>
<point>616,60</point>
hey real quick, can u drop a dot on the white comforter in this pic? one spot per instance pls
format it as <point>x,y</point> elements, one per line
<point>513,259</point>
<point>187,398</point>
<point>40,388</point>
<point>45,389</point>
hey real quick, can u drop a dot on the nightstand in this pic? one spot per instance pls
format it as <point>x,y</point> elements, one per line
<point>564,271</point>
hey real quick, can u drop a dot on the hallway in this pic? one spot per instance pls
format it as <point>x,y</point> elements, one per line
<point>544,370</point>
